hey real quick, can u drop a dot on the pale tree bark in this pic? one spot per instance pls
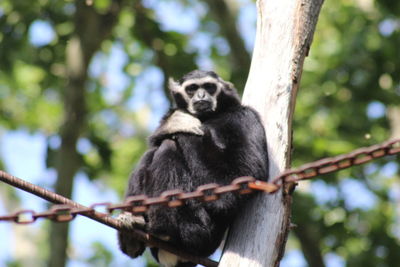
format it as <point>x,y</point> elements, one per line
<point>284,34</point>
<point>393,114</point>
<point>91,28</point>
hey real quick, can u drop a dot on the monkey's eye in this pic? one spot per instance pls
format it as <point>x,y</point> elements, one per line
<point>191,88</point>
<point>210,87</point>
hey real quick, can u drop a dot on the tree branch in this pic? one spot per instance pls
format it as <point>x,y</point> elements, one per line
<point>225,15</point>
<point>309,245</point>
<point>284,34</point>
<point>148,31</point>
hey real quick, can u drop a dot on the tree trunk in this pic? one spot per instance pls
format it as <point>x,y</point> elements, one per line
<point>91,28</point>
<point>393,114</point>
<point>67,162</point>
<point>284,35</point>
<point>308,236</point>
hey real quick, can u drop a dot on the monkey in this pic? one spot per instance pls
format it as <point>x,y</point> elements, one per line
<point>207,136</point>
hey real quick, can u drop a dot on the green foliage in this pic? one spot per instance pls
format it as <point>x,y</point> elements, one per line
<point>13,264</point>
<point>150,260</point>
<point>350,71</point>
<point>101,257</point>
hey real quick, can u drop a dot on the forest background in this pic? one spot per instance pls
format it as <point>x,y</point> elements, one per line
<point>82,84</point>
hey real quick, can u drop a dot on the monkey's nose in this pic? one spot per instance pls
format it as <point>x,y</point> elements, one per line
<point>201,94</point>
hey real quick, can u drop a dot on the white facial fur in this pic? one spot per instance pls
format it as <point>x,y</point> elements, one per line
<point>175,87</point>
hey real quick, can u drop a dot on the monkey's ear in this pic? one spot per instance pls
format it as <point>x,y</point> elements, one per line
<point>228,85</point>
<point>230,91</point>
<point>173,85</point>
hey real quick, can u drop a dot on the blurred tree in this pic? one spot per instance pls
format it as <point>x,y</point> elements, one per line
<point>91,26</point>
<point>225,13</point>
<point>350,84</point>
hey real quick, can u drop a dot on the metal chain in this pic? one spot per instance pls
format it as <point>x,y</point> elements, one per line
<point>69,207</point>
<point>344,161</point>
<point>141,203</point>
<point>211,192</point>
<point>174,198</point>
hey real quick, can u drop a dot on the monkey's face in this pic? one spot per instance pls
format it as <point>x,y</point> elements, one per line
<point>200,95</point>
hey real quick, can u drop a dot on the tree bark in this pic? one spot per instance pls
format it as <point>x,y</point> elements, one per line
<point>67,162</point>
<point>284,34</point>
<point>91,29</point>
<point>393,114</point>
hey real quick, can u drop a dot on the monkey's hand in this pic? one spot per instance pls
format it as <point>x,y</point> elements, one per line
<point>127,242</point>
<point>130,221</point>
<point>181,122</point>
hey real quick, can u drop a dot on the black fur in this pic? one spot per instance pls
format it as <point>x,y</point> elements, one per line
<point>197,74</point>
<point>233,145</point>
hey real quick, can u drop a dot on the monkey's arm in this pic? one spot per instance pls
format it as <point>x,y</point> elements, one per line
<point>245,152</point>
<point>177,122</point>
<point>245,135</point>
<point>127,243</point>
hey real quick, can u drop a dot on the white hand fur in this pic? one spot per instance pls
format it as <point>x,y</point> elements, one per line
<point>181,122</point>
<point>130,221</point>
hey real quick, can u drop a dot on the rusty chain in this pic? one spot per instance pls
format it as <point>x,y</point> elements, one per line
<point>175,198</point>
<point>139,204</point>
<point>211,192</point>
<point>70,209</point>
<point>344,161</point>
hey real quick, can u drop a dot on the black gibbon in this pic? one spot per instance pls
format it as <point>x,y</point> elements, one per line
<point>206,137</point>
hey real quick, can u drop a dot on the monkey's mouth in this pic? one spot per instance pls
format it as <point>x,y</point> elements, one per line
<point>202,106</point>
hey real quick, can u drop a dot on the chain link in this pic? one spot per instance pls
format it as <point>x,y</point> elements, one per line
<point>328,165</point>
<point>212,192</point>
